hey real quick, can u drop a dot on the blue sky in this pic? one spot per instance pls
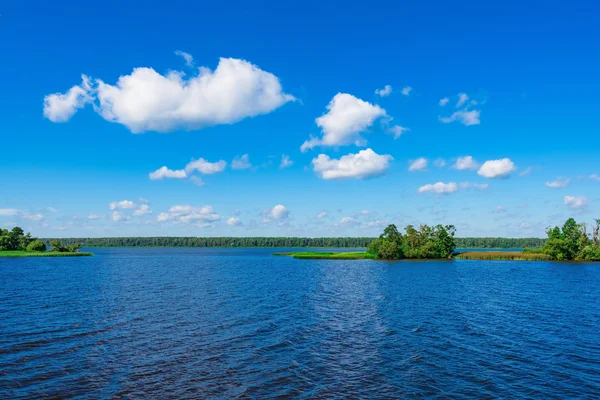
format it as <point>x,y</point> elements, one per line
<point>300,88</point>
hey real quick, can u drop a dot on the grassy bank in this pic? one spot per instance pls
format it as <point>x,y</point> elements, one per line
<point>20,253</point>
<point>317,255</point>
<point>502,255</point>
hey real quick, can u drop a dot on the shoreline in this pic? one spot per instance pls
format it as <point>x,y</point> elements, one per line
<point>21,254</point>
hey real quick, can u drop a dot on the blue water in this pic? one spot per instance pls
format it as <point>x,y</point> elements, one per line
<point>212,323</point>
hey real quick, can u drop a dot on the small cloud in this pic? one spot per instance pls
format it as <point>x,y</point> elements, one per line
<point>118,216</point>
<point>164,172</point>
<point>526,171</point>
<point>465,163</point>
<point>234,221</point>
<point>386,91</point>
<point>196,180</point>
<point>576,203</point>
<point>559,183</point>
<point>439,162</point>
<point>462,99</point>
<point>420,164</point>
<point>349,222</point>
<point>122,205</point>
<point>322,215</point>
<point>440,188</point>
<point>285,161</point>
<point>205,167</point>
<point>279,214</point>
<point>242,162</point>
<point>189,60</point>
<point>444,101</point>
<point>595,177</point>
<point>406,90</point>
<point>397,130</point>
<point>469,185</point>
<point>497,168</point>
<point>144,209</point>
<point>500,210</point>
<point>93,216</point>
<point>464,117</point>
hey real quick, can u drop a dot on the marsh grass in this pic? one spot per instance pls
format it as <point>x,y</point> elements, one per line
<point>502,255</point>
<point>322,255</point>
<point>20,253</point>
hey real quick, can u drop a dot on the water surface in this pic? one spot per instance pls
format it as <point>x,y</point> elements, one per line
<point>240,323</point>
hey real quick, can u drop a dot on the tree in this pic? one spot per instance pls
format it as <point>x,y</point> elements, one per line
<point>36,245</point>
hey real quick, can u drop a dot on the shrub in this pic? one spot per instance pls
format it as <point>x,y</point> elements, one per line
<point>36,245</point>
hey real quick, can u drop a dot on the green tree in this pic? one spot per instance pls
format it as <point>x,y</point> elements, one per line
<point>36,245</point>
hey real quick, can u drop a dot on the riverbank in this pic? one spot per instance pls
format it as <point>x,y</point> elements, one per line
<point>19,253</point>
<point>317,255</point>
<point>469,255</point>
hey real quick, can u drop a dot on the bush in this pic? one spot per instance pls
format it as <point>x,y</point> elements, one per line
<point>36,245</point>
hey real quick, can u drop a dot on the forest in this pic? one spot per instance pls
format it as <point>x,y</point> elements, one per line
<point>332,242</point>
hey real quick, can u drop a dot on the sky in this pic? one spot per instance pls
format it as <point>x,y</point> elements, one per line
<point>298,118</point>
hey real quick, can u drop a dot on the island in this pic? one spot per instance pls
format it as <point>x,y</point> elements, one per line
<point>15,243</point>
<point>569,243</point>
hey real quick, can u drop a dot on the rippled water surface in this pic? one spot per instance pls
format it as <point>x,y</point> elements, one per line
<point>209,323</point>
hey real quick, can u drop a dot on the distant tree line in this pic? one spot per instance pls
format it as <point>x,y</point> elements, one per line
<point>422,242</point>
<point>340,242</point>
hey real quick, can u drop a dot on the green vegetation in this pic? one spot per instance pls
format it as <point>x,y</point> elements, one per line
<point>425,242</point>
<point>292,242</point>
<point>572,242</point>
<point>328,255</point>
<point>21,253</point>
<point>502,255</point>
<point>15,243</point>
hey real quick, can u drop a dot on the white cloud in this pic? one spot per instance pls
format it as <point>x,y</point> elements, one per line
<point>346,117</point>
<point>466,162</point>
<point>242,162</point>
<point>558,183</point>
<point>386,91</point>
<point>462,99</point>
<point>465,117</point>
<point>576,203</point>
<point>93,216</point>
<point>196,180</point>
<point>144,209</point>
<point>234,221</point>
<point>444,101</point>
<point>497,168</point>
<point>279,212</point>
<point>60,107</point>
<point>118,216</point>
<point>199,216</point>
<point>468,185</point>
<point>349,222</point>
<point>322,214</point>
<point>406,90</point>
<point>440,187</point>
<point>595,177</point>
<point>148,101</point>
<point>420,164</point>
<point>364,164</point>
<point>526,171</point>
<point>189,60</point>
<point>205,167</point>
<point>123,204</point>
<point>285,161</point>
<point>439,162</point>
<point>397,130</point>
<point>164,172</point>
<point>500,210</point>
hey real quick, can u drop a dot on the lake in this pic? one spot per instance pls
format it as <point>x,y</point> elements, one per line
<point>240,323</point>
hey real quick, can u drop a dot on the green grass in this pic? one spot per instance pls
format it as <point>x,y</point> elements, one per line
<point>322,255</point>
<point>20,253</point>
<point>502,255</point>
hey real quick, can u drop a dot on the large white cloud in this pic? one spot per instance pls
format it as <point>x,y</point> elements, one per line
<point>347,116</point>
<point>576,203</point>
<point>497,168</point>
<point>466,162</point>
<point>365,164</point>
<point>164,172</point>
<point>60,107</point>
<point>439,187</point>
<point>145,100</point>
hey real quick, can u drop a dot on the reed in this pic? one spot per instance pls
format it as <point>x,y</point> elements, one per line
<point>502,255</point>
